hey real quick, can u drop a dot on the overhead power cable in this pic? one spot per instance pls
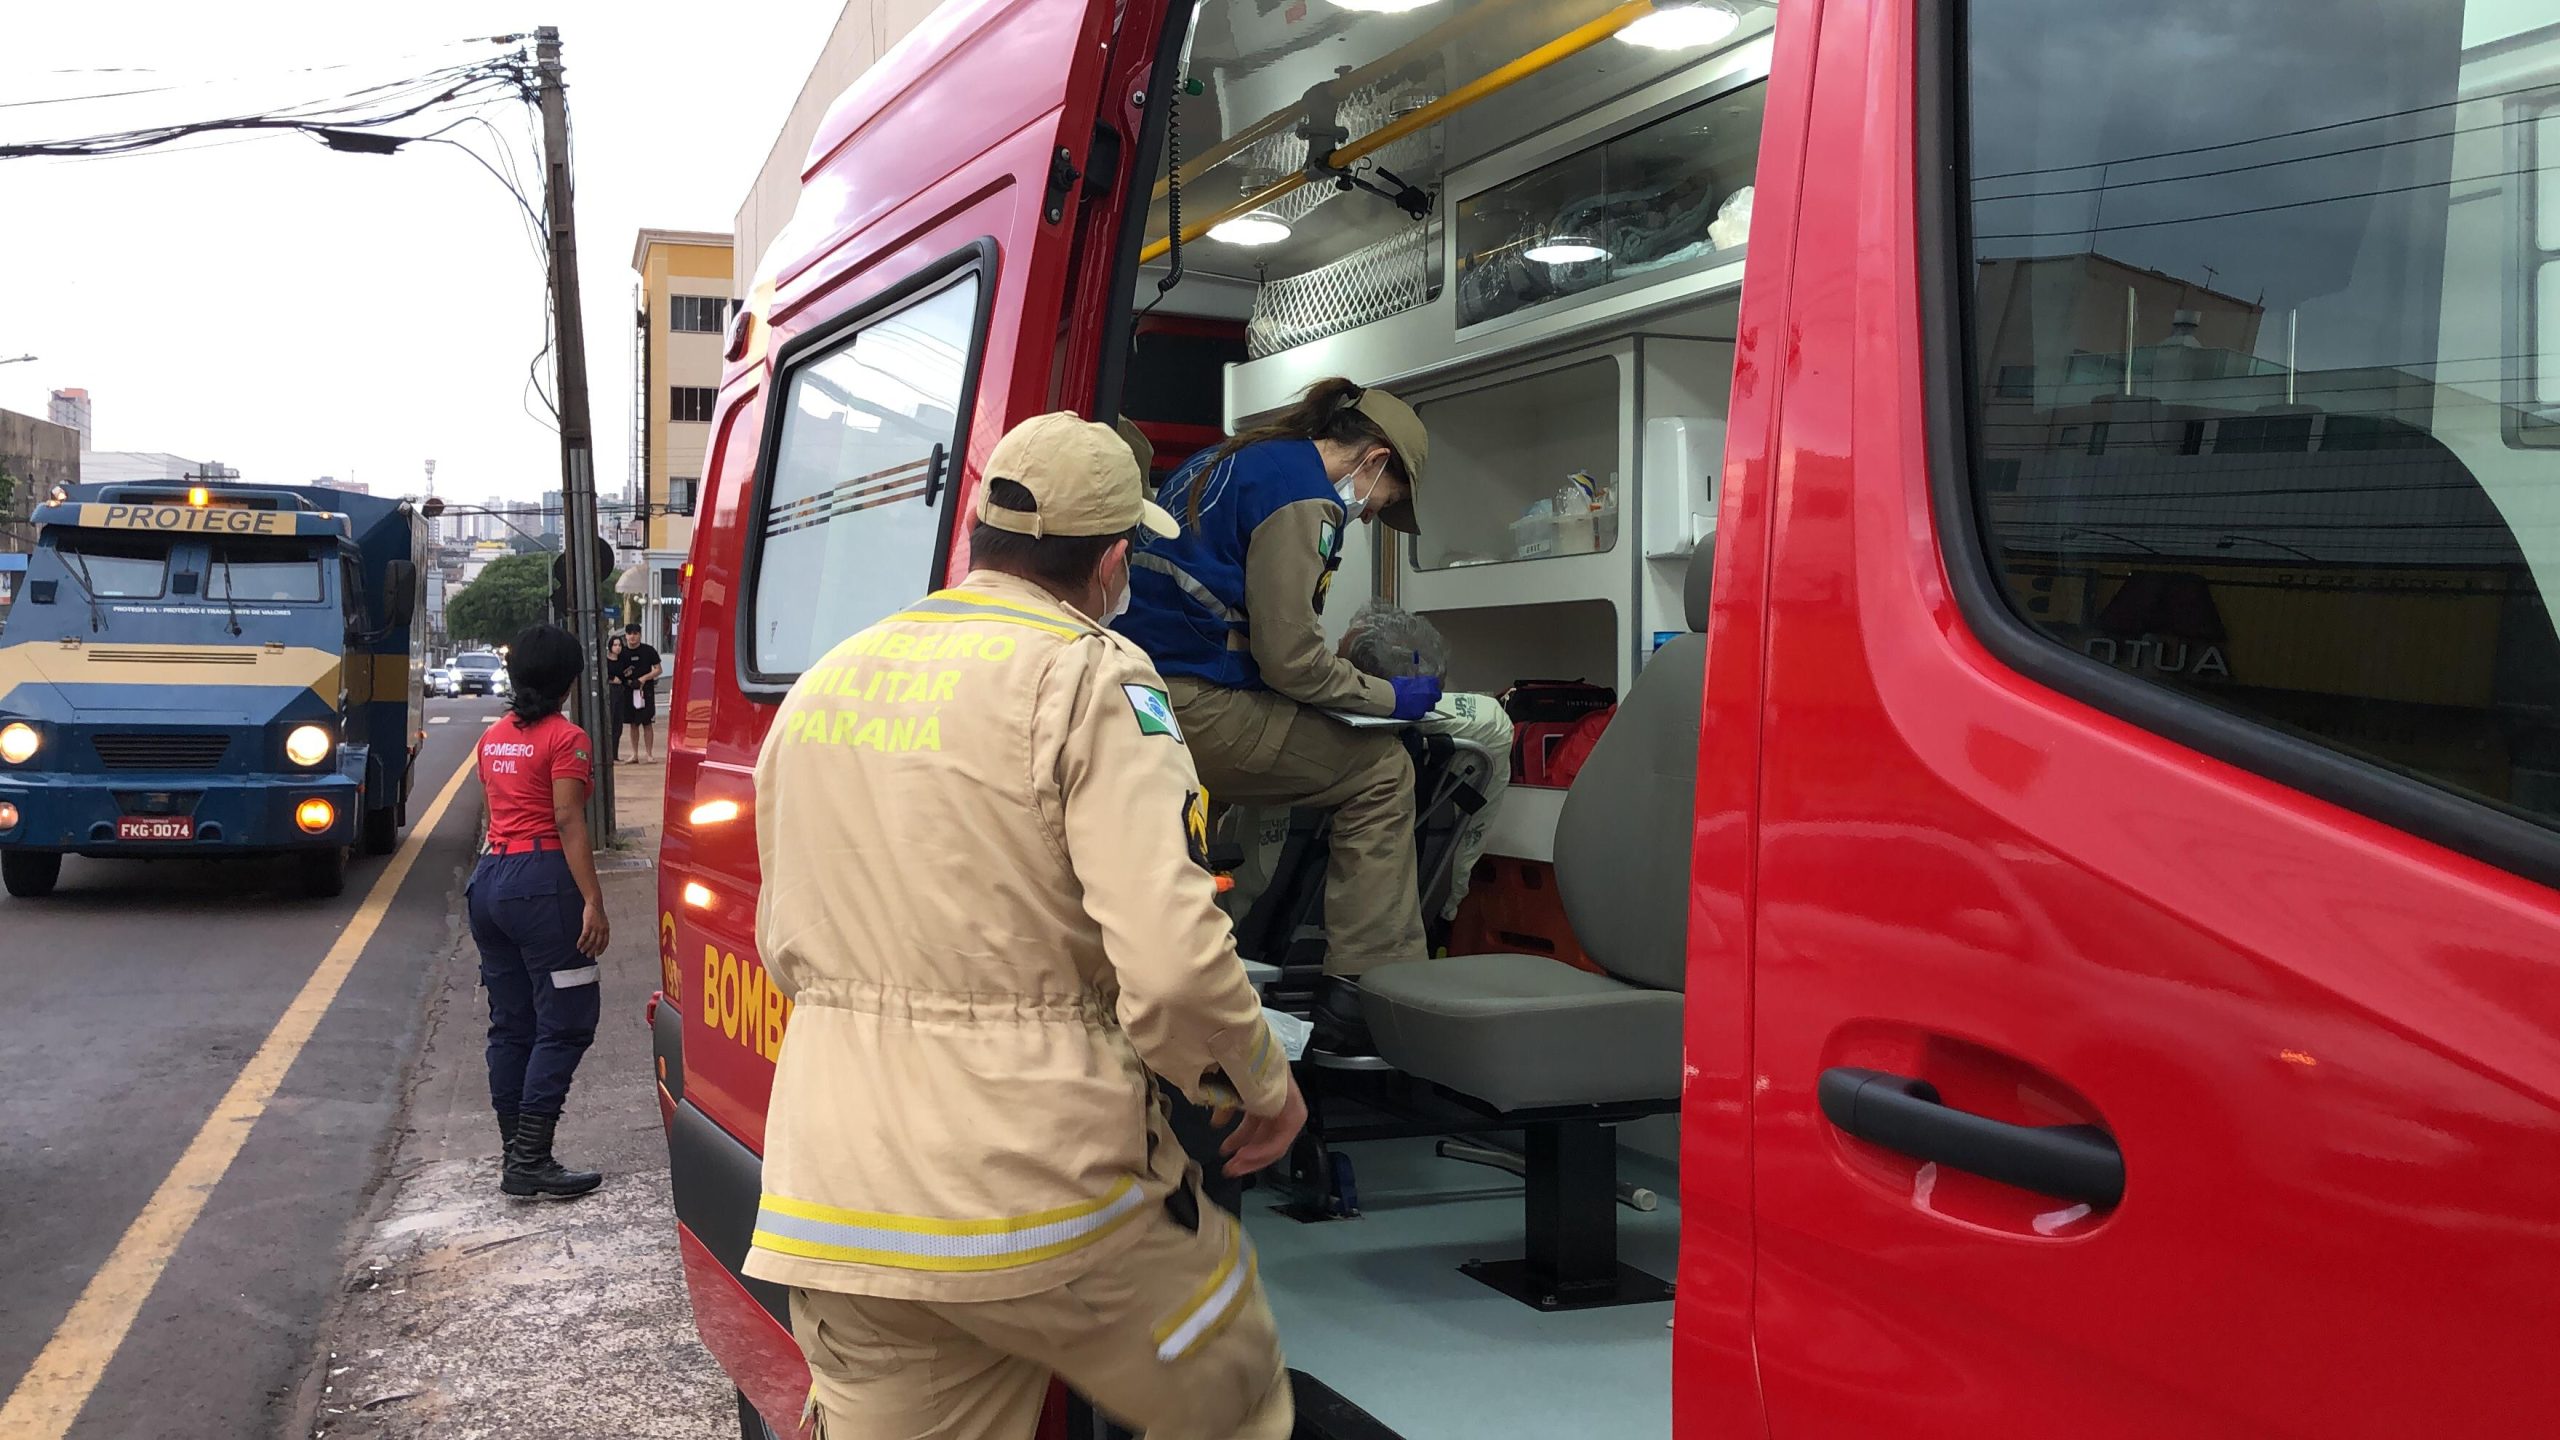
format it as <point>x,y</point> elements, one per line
<point>2266,137</point>
<point>366,109</point>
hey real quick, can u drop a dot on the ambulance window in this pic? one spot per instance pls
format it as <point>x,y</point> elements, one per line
<point>847,532</point>
<point>2253,397</point>
<point>115,568</point>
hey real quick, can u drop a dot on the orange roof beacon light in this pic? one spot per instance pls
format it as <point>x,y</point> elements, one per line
<point>198,496</point>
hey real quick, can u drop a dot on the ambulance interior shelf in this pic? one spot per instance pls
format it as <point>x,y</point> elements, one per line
<point>1526,469</point>
<point>1672,195</point>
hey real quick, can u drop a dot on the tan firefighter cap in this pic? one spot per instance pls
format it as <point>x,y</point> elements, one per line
<point>1140,446</point>
<point>1083,479</point>
<point>1411,444</point>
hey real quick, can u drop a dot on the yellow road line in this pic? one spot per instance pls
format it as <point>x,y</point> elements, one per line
<point>50,1394</point>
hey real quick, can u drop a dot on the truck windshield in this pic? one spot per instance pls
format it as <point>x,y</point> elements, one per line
<point>481,662</point>
<point>116,567</point>
<point>264,572</point>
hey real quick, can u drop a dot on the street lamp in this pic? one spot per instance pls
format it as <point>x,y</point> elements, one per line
<point>14,359</point>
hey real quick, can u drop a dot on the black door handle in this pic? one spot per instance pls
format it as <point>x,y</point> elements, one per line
<point>933,473</point>
<point>2069,1162</point>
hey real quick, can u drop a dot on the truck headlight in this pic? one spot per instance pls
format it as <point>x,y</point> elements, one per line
<point>19,742</point>
<point>309,744</point>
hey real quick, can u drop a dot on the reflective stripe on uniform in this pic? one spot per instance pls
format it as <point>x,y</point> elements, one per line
<point>1264,1051</point>
<point>570,979</point>
<point>908,1242</point>
<point>1212,1305</point>
<point>945,606</point>
<point>958,598</point>
<point>1183,580</point>
<point>1028,624</point>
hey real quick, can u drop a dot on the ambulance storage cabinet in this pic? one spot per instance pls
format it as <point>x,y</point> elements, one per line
<point>1503,444</point>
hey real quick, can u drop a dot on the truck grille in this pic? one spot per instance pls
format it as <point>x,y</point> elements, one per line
<point>144,655</point>
<point>161,752</point>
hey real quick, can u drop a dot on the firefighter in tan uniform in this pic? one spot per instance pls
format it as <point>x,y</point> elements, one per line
<point>985,890</point>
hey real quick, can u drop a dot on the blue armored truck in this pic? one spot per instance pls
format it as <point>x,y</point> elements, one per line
<point>211,670</point>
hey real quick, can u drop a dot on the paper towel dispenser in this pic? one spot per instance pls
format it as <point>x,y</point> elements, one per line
<point>1681,453</point>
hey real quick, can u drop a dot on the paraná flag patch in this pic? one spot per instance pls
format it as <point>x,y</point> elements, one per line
<point>1154,709</point>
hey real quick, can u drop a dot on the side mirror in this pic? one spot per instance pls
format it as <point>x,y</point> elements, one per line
<point>399,593</point>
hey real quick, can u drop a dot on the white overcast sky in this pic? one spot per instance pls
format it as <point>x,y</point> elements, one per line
<point>294,312</point>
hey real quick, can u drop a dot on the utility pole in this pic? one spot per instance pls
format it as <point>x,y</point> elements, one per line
<point>577,433</point>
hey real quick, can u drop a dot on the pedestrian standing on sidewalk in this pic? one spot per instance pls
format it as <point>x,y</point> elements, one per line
<point>986,889</point>
<point>537,912</point>
<point>639,668</point>
<point>618,694</point>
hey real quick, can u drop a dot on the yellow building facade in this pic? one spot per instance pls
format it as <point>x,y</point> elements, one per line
<point>684,302</point>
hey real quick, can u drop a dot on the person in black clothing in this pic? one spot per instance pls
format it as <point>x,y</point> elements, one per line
<point>636,670</point>
<point>618,695</point>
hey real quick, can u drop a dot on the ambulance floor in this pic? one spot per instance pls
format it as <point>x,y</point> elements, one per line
<point>1376,1308</point>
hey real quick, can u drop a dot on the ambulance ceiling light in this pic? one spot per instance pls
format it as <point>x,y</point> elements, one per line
<point>1259,227</point>
<point>1682,25</point>
<point>1566,250</point>
<point>1381,7</point>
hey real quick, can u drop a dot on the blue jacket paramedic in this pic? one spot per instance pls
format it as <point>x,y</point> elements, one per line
<point>1231,612</point>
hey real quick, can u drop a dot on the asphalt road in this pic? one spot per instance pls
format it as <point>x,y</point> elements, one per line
<point>133,997</point>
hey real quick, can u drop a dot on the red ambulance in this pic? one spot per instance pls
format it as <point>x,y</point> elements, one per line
<point>2118,457</point>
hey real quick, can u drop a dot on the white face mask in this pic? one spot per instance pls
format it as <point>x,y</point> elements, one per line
<point>1119,605</point>
<point>1354,494</point>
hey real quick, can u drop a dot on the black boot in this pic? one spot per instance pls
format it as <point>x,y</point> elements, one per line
<point>506,1136</point>
<point>531,1170</point>
<point>1342,1028</point>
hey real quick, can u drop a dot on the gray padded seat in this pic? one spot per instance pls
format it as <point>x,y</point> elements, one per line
<point>1526,1032</point>
<point>1523,1032</point>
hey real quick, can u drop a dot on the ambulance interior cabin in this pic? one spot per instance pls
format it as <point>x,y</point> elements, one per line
<point>1539,244</point>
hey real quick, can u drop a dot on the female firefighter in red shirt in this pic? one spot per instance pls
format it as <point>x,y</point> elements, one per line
<point>536,911</point>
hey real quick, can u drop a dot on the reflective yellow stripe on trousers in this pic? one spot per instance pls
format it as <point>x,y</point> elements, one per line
<point>906,1242</point>
<point>1212,1305</point>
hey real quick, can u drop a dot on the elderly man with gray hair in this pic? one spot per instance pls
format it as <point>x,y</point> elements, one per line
<point>1386,641</point>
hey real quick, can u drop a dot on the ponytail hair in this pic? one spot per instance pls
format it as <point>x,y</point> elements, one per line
<point>1327,410</point>
<point>543,666</point>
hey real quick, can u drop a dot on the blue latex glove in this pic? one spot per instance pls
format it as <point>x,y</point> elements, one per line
<point>1415,695</point>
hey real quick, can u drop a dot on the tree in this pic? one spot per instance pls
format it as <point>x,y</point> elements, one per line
<point>514,592</point>
<point>531,544</point>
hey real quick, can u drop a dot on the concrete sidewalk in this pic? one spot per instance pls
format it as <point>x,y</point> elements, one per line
<point>467,1314</point>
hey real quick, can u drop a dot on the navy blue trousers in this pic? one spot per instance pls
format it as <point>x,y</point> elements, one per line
<point>543,1002</point>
